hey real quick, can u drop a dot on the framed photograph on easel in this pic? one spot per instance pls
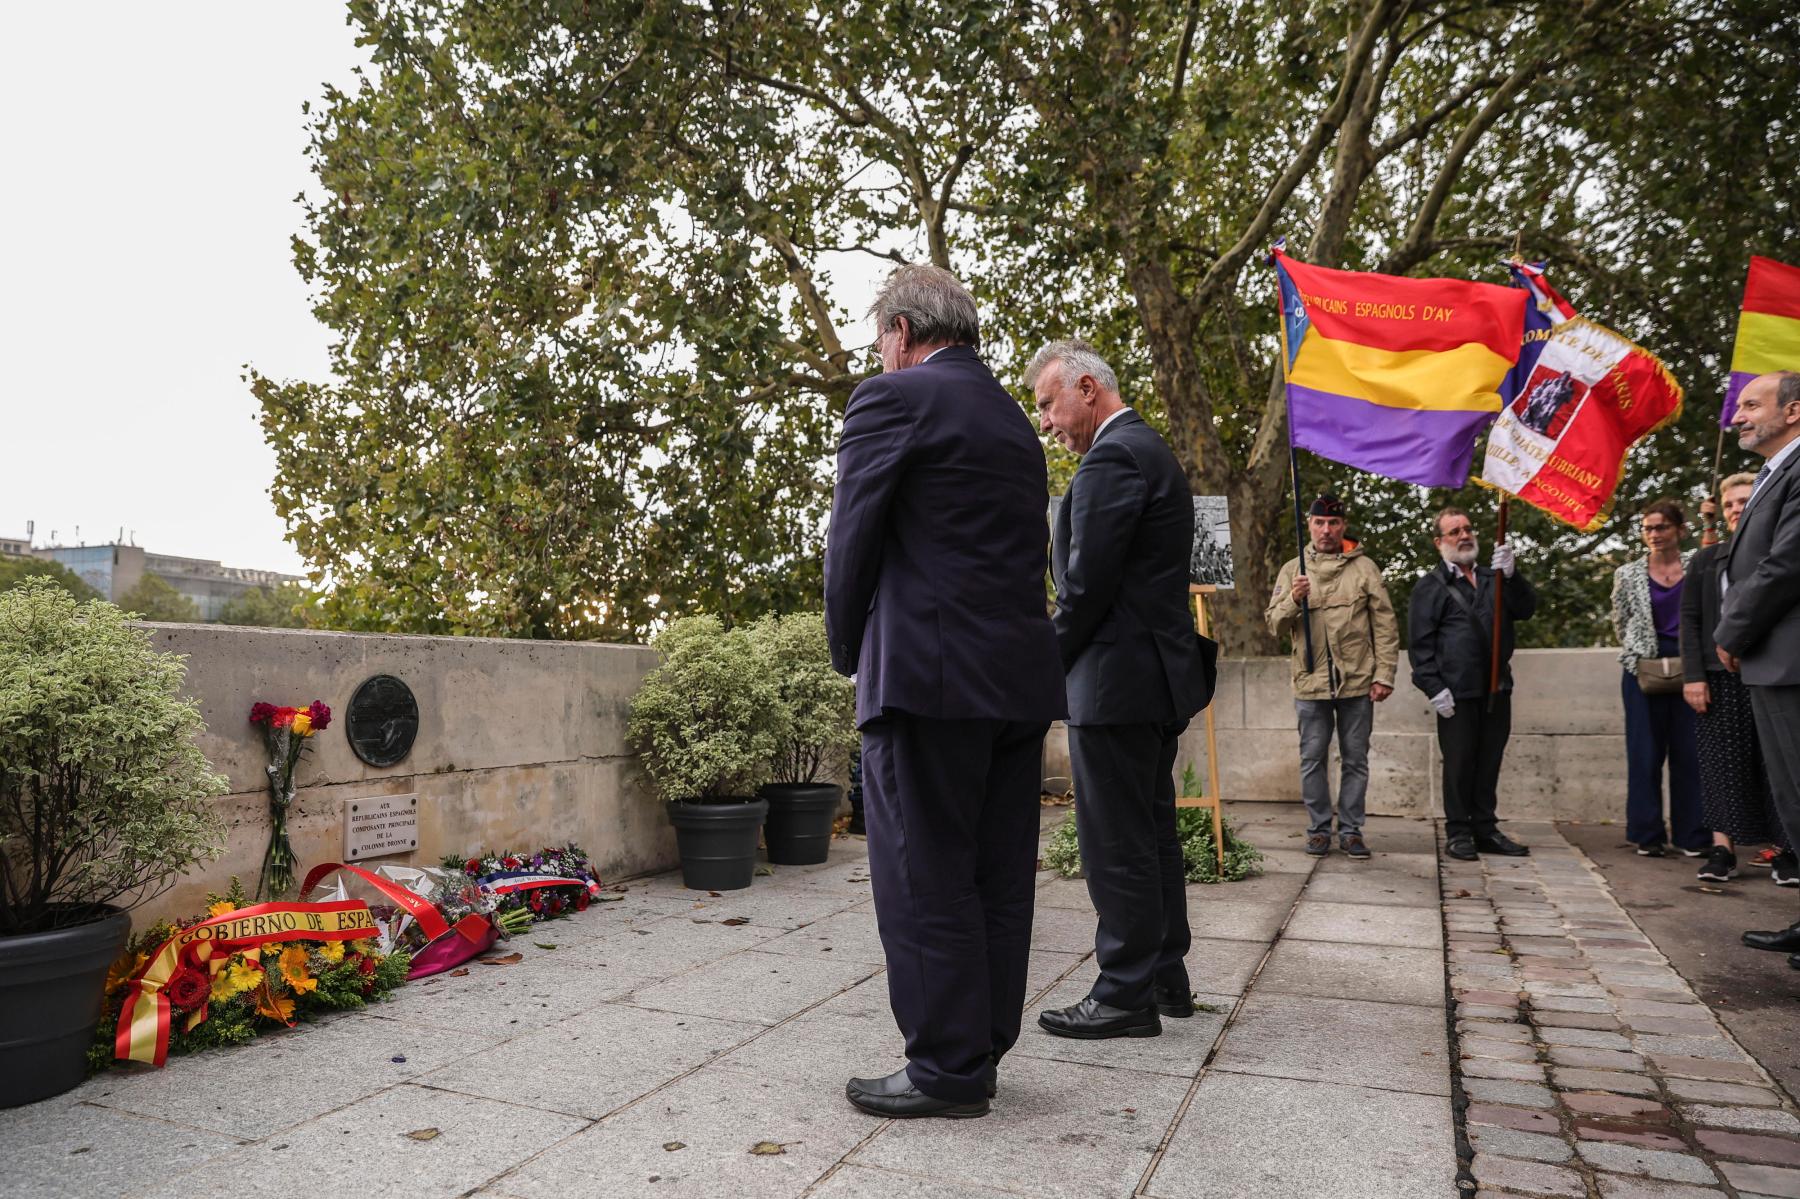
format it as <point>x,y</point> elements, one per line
<point>1210,570</point>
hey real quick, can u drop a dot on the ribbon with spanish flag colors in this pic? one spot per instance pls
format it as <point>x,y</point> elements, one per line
<point>143,1032</point>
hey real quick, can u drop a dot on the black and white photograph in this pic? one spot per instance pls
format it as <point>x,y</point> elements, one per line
<point>1210,563</point>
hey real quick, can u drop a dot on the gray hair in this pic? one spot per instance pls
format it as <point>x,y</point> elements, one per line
<point>1077,358</point>
<point>1788,390</point>
<point>934,302</point>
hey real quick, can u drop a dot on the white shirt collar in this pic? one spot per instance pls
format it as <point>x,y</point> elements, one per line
<point>932,355</point>
<point>1109,420</point>
<point>1775,460</point>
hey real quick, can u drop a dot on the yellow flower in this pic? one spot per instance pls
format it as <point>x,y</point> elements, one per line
<point>220,908</point>
<point>302,725</point>
<point>275,1007</point>
<point>235,979</point>
<point>332,951</point>
<point>123,970</point>
<point>293,969</point>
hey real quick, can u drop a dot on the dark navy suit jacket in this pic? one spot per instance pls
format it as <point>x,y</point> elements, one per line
<point>1124,630</point>
<point>934,562</point>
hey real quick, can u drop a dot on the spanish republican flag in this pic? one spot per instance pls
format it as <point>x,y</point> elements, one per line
<point>1768,335</point>
<point>1395,376</point>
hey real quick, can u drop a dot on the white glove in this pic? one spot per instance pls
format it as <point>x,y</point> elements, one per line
<point>1503,560</point>
<point>1444,702</point>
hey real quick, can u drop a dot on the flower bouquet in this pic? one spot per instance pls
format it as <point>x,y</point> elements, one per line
<point>238,971</point>
<point>286,732</point>
<point>439,918</point>
<point>545,884</point>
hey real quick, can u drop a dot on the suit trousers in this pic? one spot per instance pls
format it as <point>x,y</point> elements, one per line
<point>1131,855</point>
<point>952,813</point>
<point>1778,728</point>
<point>1660,728</point>
<point>1473,743</point>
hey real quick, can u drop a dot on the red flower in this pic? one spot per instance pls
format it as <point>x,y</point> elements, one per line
<point>473,866</point>
<point>187,989</point>
<point>536,902</point>
<point>366,967</point>
<point>261,713</point>
<point>510,863</point>
<point>283,718</point>
<point>321,715</point>
<point>581,900</point>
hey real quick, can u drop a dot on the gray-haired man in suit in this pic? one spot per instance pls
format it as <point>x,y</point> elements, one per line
<point>1759,621</point>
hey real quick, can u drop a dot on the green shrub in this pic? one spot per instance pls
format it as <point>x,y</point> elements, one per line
<point>103,793</point>
<point>820,703</point>
<point>1192,825</point>
<point>708,722</point>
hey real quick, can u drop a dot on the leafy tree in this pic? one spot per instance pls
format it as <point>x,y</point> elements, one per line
<point>14,571</point>
<point>284,606</point>
<point>590,266</point>
<point>153,598</point>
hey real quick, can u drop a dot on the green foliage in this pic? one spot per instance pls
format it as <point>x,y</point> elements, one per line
<point>154,598</point>
<point>1194,828</point>
<point>708,722</point>
<point>284,606</point>
<point>14,571</point>
<point>820,703</point>
<point>593,270</point>
<point>104,798</point>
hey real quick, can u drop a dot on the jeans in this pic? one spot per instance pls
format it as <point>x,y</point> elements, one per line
<point>1353,717</point>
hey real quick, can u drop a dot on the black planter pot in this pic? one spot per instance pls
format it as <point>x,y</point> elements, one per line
<point>51,985</point>
<point>718,842</point>
<point>798,830</point>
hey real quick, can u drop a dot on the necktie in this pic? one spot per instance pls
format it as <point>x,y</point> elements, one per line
<point>1760,476</point>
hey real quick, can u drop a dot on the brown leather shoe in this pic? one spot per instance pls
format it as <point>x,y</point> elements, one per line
<point>1318,844</point>
<point>1352,844</point>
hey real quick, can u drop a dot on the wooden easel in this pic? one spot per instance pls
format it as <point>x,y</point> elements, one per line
<point>1211,799</point>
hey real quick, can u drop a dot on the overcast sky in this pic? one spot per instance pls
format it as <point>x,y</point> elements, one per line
<point>152,153</point>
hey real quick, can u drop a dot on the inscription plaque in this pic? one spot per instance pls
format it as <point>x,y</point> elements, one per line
<point>383,720</point>
<point>380,825</point>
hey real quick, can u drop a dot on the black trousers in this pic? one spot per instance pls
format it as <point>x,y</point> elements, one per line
<point>1777,712</point>
<point>1125,818</point>
<point>1473,743</point>
<point>952,813</point>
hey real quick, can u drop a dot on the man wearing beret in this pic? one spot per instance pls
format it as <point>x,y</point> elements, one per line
<point>1355,648</point>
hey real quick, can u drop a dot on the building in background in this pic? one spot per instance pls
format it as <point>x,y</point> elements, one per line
<point>15,547</point>
<point>114,569</point>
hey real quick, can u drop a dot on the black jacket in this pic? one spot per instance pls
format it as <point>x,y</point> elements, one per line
<point>934,562</point>
<point>1450,634</point>
<point>1700,612</point>
<point>1759,620</point>
<point>1119,556</point>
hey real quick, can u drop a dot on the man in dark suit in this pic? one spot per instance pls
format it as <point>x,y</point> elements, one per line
<point>1450,639</point>
<point>1137,672</point>
<point>934,600</point>
<point>1759,621</point>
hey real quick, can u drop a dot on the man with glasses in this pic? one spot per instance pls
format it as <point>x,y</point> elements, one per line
<point>1450,632</point>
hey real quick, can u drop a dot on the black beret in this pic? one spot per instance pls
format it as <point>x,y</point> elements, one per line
<point>1327,505</point>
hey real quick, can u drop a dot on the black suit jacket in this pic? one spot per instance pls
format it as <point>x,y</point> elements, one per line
<point>1700,612</point>
<point>1760,618</point>
<point>934,561</point>
<point>1120,555</point>
<point>1450,634</point>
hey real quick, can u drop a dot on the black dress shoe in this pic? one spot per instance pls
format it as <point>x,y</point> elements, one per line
<point>1462,849</point>
<point>1501,844</point>
<point>1091,1020</point>
<point>1785,940</point>
<point>1794,960</point>
<point>1174,1002</point>
<point>897,1098</point>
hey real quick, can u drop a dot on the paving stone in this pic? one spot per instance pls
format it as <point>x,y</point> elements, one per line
<point>1181,1050</point>
<point>577,1067</point>
<point>1487,997</point>
<point>1492,1170</point>
<point>475,1140</point>
<point>1751,1119</point>
<point>1600,1103</point>
<point>1764,1180</point>
<point>1063,930</point>
<point>822,1048</point>
<point>716,1115</point>
<point>1506,1051</point>
<point>1595,1059</point>
<point>1646,1007</point>
<point>1510,1142</point>
<point>1670,1026</point>
<point>1569,1079</point>
<point>1239,1138</point>
<point>1628,1134</point>
<point>1365,924</point>
<point>1232,919</point>
<point>1524,1119</point>
<point>1698,1067</point>
<point>1381,973</point>
<point>1375,885</point>
<point>1595,1020</point>
<point>1622,1186</point>
<point>1496,1030</point>
<point>1655,1163</point>
<point>1220,967</point>
<point>1500,1090</point>
<point>1485,1067</point>
<point>763,987</point>
<point>1716,1049</point>
<point>867,1182</point>
<point>1292,1036</point>
<point>1058,1129</point>
<point>1562,1003</point>
<point>61,1149</point>
<point>1674,995</point>
<point>1486,1011</point>
<point>845,936</point>
<point>1583,1038</point>
<point>1720,1092</point>
<point>1555,974</point>
<point>1774,1151</point>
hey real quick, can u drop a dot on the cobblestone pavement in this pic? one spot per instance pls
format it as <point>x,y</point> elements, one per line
<point>661,1040</point>
<point>1586,1065</point>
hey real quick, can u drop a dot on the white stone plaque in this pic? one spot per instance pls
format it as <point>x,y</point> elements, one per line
<point>380,825</point>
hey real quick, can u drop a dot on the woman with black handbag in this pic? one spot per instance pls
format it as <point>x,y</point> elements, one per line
<point>1659,725</point>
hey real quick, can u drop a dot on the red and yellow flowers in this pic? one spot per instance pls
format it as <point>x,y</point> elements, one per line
<point>286,731</point>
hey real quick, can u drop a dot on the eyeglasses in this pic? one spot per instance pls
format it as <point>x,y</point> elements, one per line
<point>1659,527</point>
<point>1458,531</point>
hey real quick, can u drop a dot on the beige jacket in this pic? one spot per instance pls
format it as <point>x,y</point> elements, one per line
<point>1351,613</point>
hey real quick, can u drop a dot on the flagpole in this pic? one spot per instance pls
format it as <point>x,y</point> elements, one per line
<point>1499,579</point>
<point>1300,536</point>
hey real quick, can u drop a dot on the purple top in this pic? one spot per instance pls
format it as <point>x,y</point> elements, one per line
<point>1665,605</point>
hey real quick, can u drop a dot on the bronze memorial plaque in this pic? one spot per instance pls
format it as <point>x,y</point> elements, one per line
<point>382,721</point>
